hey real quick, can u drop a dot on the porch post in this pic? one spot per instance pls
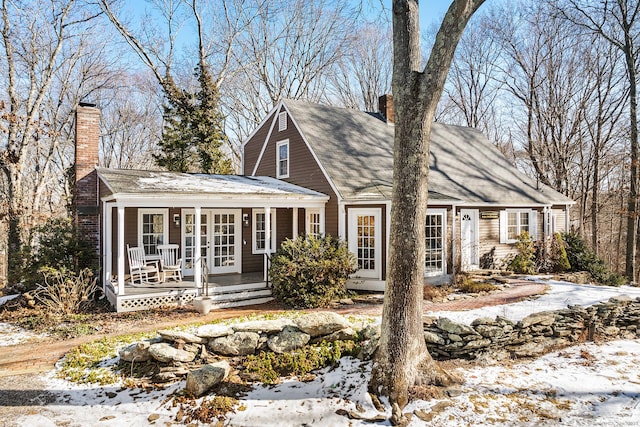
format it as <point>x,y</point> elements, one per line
<point>294,230</point>
<point>567,219</point>
<point>107,244</point>
<point>454,241</point>
<point>197,274</point>
<point>267,240</point>
<point>121,250</point>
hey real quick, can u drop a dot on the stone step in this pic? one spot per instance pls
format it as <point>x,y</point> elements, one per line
<point>214,289</point>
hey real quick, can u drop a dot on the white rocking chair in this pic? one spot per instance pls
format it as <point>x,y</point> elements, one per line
<point>140,269</point>
<point>170,262</point>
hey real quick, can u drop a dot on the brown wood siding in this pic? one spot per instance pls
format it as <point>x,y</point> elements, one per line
<point>303,169</point>
<point>250,262</point>
<point>383,210</point>
<point>254,145</point>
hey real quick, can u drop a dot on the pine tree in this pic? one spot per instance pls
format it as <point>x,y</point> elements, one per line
<point>193,135</point>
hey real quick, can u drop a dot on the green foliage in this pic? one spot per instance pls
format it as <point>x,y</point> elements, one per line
<point>55,246</point>
<point>268,367</point>
<point>310,272</point>
<point>582,258</point>
<point>193,135</point>
<point>558,260</point>
<point>524,261</point>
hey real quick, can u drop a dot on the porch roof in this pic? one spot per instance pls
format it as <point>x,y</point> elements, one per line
<point>175,187</point>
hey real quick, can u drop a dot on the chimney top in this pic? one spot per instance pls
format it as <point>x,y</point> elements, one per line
<point>87,104</point>
<point>385,107</point>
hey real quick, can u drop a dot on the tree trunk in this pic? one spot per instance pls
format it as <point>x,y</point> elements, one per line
<point>402,359</point>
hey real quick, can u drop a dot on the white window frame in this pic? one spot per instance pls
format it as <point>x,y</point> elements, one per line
<point>254,222</point>
<point>504,224</point>
<point>279,160</point>
<point>165,226</point>
<point>282,121</point>
<point>309,224</point>
<point>443,213</point>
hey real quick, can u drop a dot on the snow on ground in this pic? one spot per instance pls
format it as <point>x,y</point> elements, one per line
<point>11,334</point>
<point>559,295</point>
<point>585,385</point>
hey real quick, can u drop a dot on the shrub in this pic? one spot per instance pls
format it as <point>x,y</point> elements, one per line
<point>311,272</point>
<point>558,260</point>
<point>524,261</point>
<point>466,284</point>
<point>54,245</point>
<point>65,292</point>
<point>582,258</point>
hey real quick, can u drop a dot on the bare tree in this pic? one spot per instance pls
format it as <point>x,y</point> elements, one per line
<point>364,72</point>
<point>45,64</point>
<point>402,359</point>
<point>617,22</point>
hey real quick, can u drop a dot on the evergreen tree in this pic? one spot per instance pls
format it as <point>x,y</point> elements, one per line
<point>192,137</point>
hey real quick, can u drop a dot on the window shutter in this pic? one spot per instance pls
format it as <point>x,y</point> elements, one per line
<point>533,224</point>
<point>503,227</point>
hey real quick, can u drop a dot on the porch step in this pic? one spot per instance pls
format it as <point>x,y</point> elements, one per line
<point>239,295</point>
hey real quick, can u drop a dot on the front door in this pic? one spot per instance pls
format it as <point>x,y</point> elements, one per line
<point>189,240</point>
<point>219,241</point>
<point>225,242</point>
<point>365,241</point>
<point>469,251</point>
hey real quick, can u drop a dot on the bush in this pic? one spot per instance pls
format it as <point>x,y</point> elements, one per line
<point>524,261</point>
<point>66,292</point>
<point>582,258</point>
<point>558,260</point>
<point>55,245</point>
<point>310,272</point>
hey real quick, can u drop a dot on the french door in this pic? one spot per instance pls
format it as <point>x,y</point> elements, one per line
<point>220,241</point>
<point>365,241</point>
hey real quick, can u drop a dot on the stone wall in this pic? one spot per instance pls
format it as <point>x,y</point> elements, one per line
<point>536,334</point>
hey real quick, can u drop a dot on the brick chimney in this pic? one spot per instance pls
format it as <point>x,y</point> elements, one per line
<point>385,107</point>
<point>85,200</point>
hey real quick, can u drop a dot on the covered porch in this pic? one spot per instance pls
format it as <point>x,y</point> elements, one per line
<point>238,222</point>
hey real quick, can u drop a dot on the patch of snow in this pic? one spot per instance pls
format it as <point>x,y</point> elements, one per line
<point>559,295</point>
<point>6,298</point>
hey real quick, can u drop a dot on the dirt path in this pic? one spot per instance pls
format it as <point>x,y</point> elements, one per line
<point>37,357</point>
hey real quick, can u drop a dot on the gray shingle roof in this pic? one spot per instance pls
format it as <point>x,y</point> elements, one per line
<point>356,150</point>
<point>172,184</point>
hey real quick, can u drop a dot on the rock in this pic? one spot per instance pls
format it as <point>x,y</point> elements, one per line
<point>169,335</point>
<point>528,349</point>
<point>322,323</point>
<point>153,417</point>
<point>203,379</point>
<point>483,321</point>
<point>163,352</point>
<point>611,331</point>
<point>545,318</point>
<point>214,331</point>
<point>472,345</point>
<point>454,337</point>
<point>431,338</point>
<point>347,334</point>
<point>346,301</point>
<point>624,299</point>
<point>370,332</point>
<point>289,339</point>
<point>136,352</point>
<point>238,344</point>
<point>490,331</point>
<point>454,328</point>
<point>269,327</point>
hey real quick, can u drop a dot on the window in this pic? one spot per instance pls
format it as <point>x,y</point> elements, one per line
<point>434,243</point>
<point>313,223</point>
<point>282,121</point>
<point>282,159</point>
<point>515,221</point>
<point>153,229</point>
<point>260,232</point>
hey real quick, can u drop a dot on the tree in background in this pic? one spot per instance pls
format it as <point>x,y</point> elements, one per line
<point>402,359</point>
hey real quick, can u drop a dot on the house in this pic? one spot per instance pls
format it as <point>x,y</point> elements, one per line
<point>478,202</point>
<point>306,169</point>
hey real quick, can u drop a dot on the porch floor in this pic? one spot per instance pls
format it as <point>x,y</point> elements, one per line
<point>188,283</point>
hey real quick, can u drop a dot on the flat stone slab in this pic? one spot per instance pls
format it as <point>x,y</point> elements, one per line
<point>170,335</point>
